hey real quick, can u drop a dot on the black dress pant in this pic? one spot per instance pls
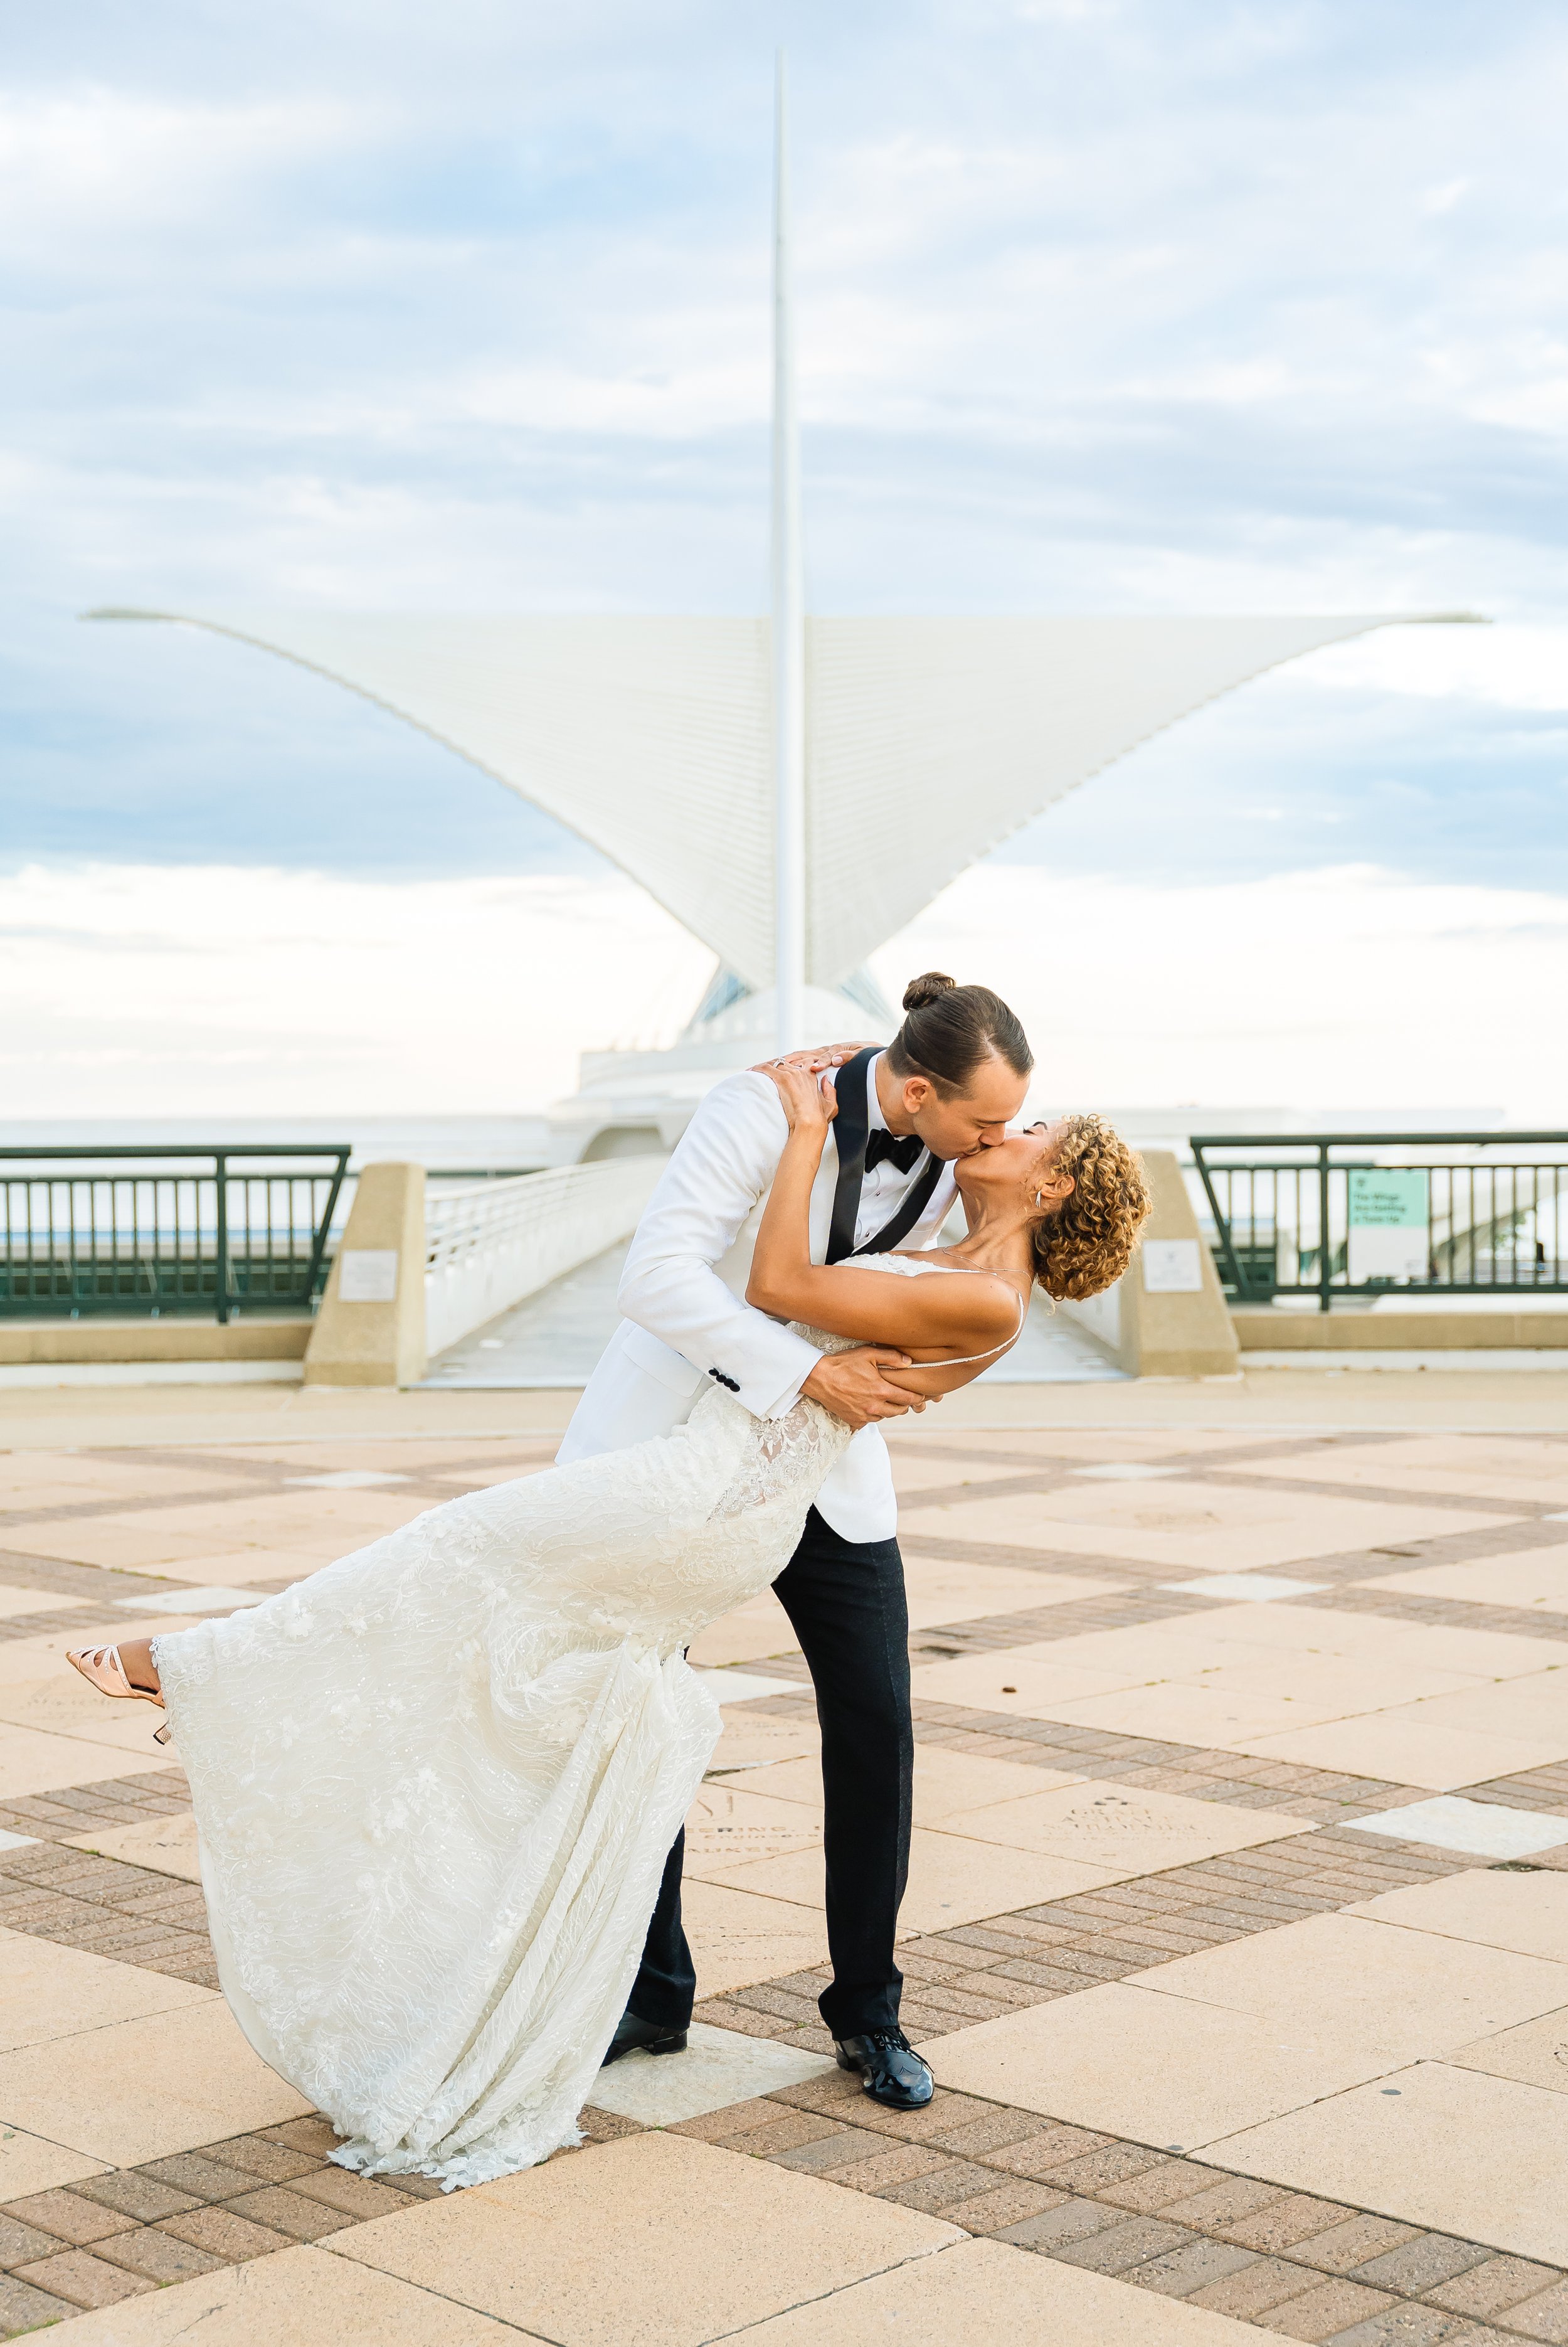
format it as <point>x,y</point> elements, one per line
<point>847,1604</point>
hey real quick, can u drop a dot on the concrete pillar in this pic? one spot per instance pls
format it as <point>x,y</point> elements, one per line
<point>1175,1321</point>
<point>370,1330</point>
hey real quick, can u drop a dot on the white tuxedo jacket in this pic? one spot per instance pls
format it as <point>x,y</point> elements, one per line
<point>684,1296</point>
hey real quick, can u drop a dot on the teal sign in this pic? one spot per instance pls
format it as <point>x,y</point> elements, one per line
<point>1388,1235</point>
<point>1388,1200</point>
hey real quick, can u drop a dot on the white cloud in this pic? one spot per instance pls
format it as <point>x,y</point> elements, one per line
<point>222,993</point>
<point>1444,199</point>
<point>1347,988</point>
<point>104,162</point>
<point>231,992</point>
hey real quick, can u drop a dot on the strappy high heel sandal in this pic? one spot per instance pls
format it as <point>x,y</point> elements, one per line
<point>102,1668</point>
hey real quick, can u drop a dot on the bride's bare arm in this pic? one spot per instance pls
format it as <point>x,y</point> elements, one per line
<point>935,1319</point>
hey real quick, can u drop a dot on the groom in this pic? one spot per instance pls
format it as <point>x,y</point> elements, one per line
<point>948,1085</point>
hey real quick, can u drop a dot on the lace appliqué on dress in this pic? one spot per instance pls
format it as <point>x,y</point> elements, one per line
<point>435,1783</point>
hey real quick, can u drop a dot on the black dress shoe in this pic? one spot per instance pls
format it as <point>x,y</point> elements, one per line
<point>634,2037</point>
<point>894,2072</point>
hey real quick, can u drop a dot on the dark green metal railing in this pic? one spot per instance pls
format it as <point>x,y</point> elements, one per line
<point>1338,1214</point>
<point>169,1230</point>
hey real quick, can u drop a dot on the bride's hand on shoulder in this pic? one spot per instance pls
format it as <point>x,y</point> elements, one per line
<point>809,1103</point>
<point>819,1056</point>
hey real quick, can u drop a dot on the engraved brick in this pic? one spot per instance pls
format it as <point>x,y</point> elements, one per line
<point>594,2126</point>
<point>1059,1978</point>
<point>1004,2204</point>
<point>257,2156</point>
<point>157,2256</point>
<point>1123,2246</point>
<point>194,2172</point>
<point>777,2004</point>
<point>723,2014</point>
<point>935,2011</point>
<point>1494,2285</point>
<point>1253,2290</point>
<point>996,2130</point>
<point>826,2153</point>
<point>947,2111</point>
<point>1039,2154</point>
<point>731,2124</point>
<point>1115,2164</point>
<point>896,2164</point>
<point>1071,2220</point>
<point>67,2217</point>
<point>359,2197</point>
<point>83,2280</point>
<point>1159,1940</point>
<point>312,2134</point>
<point>1000,1990</point>
<point>944,2187</point>
<point>1409,2325</point>
<point>1177,2272</point>
<point>1326,2311</point>
<point>996,1939</point>
<point>931,1971</point>
<point>1544,2316</point>
<point>829,2091</point>
<point>287,2212</point>
<point>1162,2187</point>
<point>782,2130</point>
<point>1421,2265</point>
<point>233,2239</point>
<point>24,2308</point>
<point>19,2242</point>
<point>135,2196</point>
<point>1222,2206</point>
<point>1353,2243</point>
<point>1293,2218</point>
<point>1082,1961</point>
<point>806,1983</point>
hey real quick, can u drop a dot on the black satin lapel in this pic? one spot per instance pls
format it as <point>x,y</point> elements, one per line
<point>910,1208</point>
<point>850,1127</point>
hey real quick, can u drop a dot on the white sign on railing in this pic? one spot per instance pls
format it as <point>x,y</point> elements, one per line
<point>488,1247</point>
<point>1388,1222</point>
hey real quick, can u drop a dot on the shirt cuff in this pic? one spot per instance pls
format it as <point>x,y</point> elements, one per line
<point>756,1398</point>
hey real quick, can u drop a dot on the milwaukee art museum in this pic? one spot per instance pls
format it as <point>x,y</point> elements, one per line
<point>794,789</point>
<point>927,742</point>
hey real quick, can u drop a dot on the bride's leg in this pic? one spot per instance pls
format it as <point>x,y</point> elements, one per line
<point>136,1657</point>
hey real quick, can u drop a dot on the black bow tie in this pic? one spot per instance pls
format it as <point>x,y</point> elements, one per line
<point>902,1149</point>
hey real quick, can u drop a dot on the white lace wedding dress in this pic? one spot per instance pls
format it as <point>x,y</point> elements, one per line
<point>436,1784</point>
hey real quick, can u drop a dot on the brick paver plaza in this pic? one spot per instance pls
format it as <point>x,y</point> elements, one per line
<point>1236,1931</point>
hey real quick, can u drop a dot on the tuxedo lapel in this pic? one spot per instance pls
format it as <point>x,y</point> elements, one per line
<point>850,1127</point>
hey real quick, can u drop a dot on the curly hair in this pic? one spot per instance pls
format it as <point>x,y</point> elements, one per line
<point>1087,1242</point>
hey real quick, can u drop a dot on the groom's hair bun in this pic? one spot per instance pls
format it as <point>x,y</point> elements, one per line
<point>921,991</point>
<point>949,1030</point>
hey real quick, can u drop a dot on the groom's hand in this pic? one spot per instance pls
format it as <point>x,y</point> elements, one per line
<point>852,1386</point>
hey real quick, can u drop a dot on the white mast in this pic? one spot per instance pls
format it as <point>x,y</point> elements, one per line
<point>789,627</point>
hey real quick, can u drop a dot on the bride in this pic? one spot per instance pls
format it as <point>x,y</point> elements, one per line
<point>435,1783</point>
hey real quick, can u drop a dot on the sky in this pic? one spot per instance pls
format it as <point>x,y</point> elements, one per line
<point>1105,305</point>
